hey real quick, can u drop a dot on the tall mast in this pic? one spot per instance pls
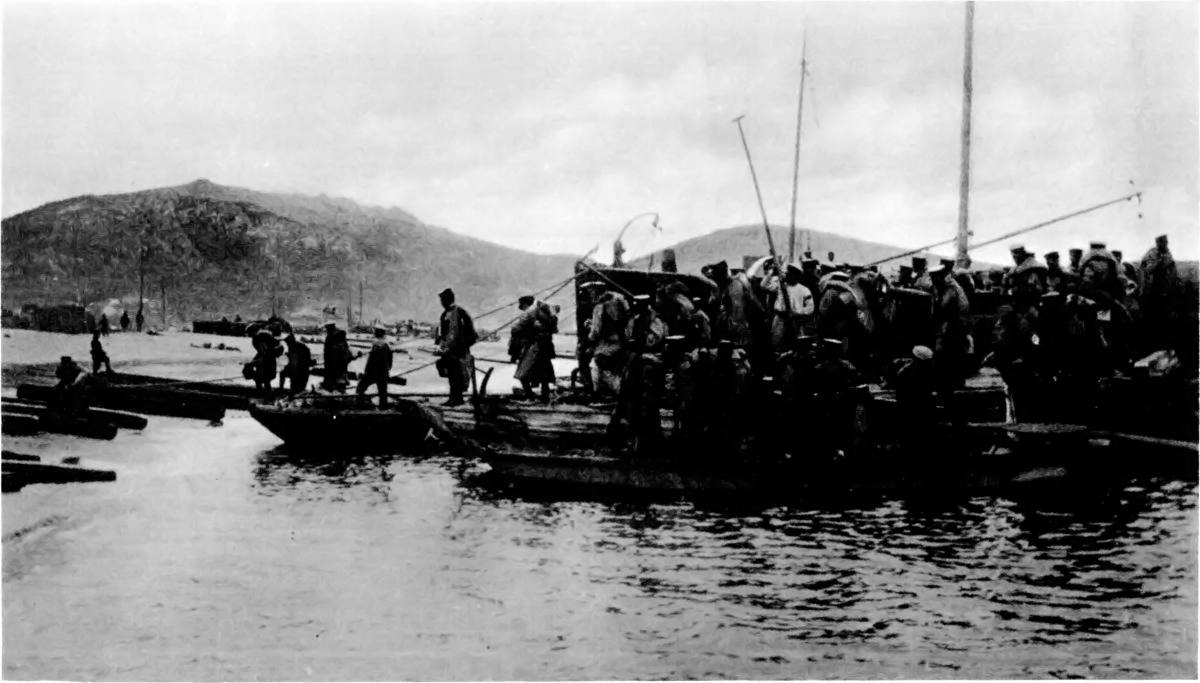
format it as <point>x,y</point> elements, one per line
<point>964,185</point>
<point>796,162</point>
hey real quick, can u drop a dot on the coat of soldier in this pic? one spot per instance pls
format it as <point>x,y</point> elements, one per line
<point>640,400</point>
<point>69,391</point>
<point>1017,343</point>
<point>683,317</point>
<point>952,339</point>
<point>793,314</point>
<point>531,346</point>
<point>606,333</point>
<point>741,317</point>
<point>456,335</point>
<point>299,361</point>
<point>99,357</point>
<point>1094,337</point>
<point>336,358</point>
<point>1160,285</point>
<point>124,321</point>
<point>378,369</point>
<point>267,351</point>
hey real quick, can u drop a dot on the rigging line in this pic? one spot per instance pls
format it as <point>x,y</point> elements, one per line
<point>535,294</point>
<point>510,322</point>
<point>1013,233</point>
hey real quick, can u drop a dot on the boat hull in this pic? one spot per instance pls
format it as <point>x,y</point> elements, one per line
<point>595,473</point>
<point>402,426</point>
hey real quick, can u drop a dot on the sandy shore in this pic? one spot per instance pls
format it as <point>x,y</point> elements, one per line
<point>182,355</point>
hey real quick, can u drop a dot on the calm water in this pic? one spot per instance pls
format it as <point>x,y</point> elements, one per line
<point>216,556</point>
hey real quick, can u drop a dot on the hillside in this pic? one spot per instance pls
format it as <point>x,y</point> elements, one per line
<point>732,244</point>
<point>213,250</point>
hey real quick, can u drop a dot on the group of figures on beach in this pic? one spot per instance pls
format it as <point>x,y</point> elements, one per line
<point>102,327</point>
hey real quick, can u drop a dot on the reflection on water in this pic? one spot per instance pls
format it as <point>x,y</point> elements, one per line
<point>209,560</point>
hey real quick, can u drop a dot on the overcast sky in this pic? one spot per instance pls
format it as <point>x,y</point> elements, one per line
<point>547,126</point>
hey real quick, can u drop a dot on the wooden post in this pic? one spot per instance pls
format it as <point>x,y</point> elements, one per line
<point>964,185</point>
<point>796,162</point>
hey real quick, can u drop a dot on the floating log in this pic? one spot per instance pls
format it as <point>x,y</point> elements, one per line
<point>26,472</point>
<point>114,417</point>
<point>48,422</point>
<point>19,425</point>
<point>229,396</point>
<point>138,400</point>
<point>9,455</point>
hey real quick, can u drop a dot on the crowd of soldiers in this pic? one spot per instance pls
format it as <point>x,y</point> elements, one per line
<point>808,338</point>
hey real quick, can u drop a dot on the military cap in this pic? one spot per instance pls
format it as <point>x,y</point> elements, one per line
<point>922,353</point>
<point>1028,265</point>
<point>446,292</point>
<point>1051,255</point>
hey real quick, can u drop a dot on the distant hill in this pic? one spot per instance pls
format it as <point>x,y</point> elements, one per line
<point>733,244</point>
<point>214,250</point>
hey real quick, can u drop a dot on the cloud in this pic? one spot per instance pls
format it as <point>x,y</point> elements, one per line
<point>547,126</point>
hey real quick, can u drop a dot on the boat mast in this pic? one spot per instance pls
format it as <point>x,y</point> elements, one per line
<point>796,162</point>
<point>964,185</point>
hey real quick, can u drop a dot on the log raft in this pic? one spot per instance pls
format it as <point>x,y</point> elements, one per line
<point>139,400</point>
<point>116,418</point>
<point>18,470</point>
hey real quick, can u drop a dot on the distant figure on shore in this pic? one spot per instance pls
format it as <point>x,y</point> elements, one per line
<point>140,319</point>
<point>104,324</point>
<point>379,367</point>
<point>336,359</point>
<point>456,335</point>
<point>99,357</point>
<point>124,321</point>
<point>299,360</point>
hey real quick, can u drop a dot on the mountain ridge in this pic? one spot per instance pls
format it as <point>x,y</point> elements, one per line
<point>212,250</point>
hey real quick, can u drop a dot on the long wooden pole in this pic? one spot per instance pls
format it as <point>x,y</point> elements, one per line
<point>796,160</point>
<point>787,302</point>
<point>964,181</point>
